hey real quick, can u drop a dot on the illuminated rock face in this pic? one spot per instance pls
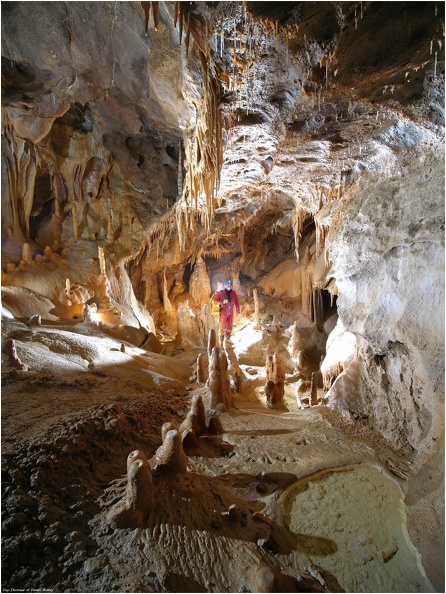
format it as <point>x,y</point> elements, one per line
<point>330,195</point>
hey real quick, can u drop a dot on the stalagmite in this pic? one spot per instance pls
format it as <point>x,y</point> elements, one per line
<point>275,381</point>
<point>34,320</point>
<point>212,341</point>
<point>26,253</point>
<point>215,426</point>
<point>170,457</point>
<point>101,258</point>
<point>202,368</point>
<point>234,513</point>
<point>295,344</point>
<point>197,408</point>
<point>218,382</point>
<point>15,361</point>
<point>195,419</point>
<point>133,456</point>
<point>256,310</point>
<point>169,426</point>
<point>134,511</point>
<point>313,398</point>
<point>302,387</point>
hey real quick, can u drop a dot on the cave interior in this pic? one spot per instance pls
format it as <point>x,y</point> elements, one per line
<point>151,151</point>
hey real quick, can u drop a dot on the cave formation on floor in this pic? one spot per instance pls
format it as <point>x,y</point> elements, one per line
<point>150,152</point>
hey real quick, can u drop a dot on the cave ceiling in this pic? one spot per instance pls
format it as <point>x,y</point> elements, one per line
<point>216,139</point>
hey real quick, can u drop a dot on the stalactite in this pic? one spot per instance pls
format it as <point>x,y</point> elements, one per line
<point>318,309</point>
<point>298,219</point>
<point>21,159</point>
<point>110,232</point>
<point>329,375</point>
<point>148,6</point>
<point>321,233</point>
<point>180,169</point>
<point>168,307</point>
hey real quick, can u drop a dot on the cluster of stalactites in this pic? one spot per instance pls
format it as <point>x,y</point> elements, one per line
<point>148,7</point>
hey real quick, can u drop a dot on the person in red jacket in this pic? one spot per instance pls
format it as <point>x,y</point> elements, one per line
<point>228,301</point>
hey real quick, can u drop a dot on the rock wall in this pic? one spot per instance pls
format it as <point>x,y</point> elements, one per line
<point>386,245</point>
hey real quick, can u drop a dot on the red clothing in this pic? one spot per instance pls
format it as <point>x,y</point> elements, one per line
<point>227,309</point>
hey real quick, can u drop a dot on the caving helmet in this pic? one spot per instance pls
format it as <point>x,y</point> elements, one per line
<point>228,284</point>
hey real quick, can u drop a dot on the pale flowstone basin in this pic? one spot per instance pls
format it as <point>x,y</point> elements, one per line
<point>352,522</point>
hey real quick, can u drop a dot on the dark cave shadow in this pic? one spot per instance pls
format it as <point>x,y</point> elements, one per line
<point>257,486</point>
<point>316,545</point>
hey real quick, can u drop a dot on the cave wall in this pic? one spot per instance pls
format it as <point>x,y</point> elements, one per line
<point>388,261</point>
<point>90,143</point>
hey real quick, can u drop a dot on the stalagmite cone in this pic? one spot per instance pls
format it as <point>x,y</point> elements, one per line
<point>198,410</point>
<point>302,387</point>
<point>170,457</point>
<point>275,381</point>
<point>234,513</point>
<point>12,352</point>
<point>313,390</point>
<point>189,438</point>
<point>34,320</point>
<point>202,369</point>
<point>139,495</point>
<point>167,427</point>
<point>212,341</point>
<point>191,423</point>
<point>26,253</point>
<point>215,426</point>
<point>134,510</point>
<point>133,456</point>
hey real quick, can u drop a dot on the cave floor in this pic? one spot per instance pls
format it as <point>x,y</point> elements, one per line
<point>320,496</point>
